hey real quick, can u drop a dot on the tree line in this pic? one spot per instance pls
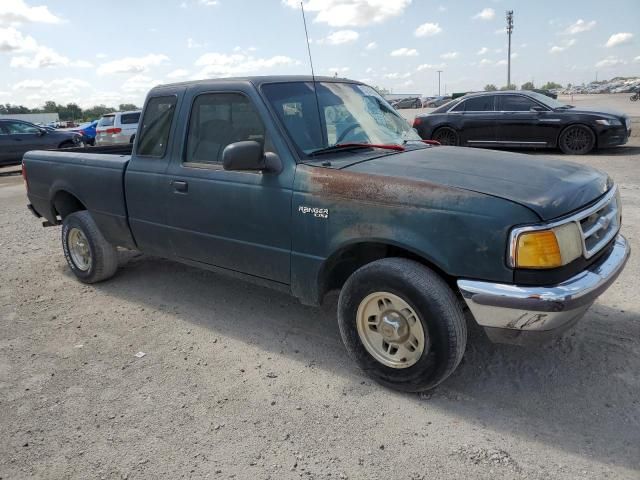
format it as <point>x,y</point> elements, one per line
<point>68,112</point>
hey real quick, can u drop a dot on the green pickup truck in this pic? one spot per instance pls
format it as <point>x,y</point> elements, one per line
<point>316,185</point>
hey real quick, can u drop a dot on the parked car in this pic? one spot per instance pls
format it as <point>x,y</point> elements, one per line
<point>117,127</point>
<point>523,119</point>
<point>244,179</point>
<point>17,137</point>
<point>548,93</point>
<point>88,132</point>
<point>438,101</point>
<point>409,102</point>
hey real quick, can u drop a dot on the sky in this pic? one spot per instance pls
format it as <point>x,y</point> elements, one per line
<point>112,52</point>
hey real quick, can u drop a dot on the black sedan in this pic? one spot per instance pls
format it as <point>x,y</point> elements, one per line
<point>409,102</point>
<point>18,137</point>
<point>523,119</point>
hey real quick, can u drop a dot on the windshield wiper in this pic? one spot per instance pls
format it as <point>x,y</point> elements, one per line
<point>348,146</point>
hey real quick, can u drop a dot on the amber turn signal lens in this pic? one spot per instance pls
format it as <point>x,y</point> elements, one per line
<point>538,249</point>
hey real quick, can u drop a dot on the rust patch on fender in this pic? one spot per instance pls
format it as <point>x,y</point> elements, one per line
<point>376,188</point>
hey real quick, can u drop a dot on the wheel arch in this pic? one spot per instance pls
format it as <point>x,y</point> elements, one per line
<point>64,203</point>
<point>348,258</point>
<point>578,124</point>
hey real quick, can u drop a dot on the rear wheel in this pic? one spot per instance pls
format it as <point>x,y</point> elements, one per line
<point>89,255</point>
<point>577,140</point>
<point>402,324</point>
<point>446,136</point>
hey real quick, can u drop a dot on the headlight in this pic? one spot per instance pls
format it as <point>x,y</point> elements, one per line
<point>608,122</point>
<point>550,248</point>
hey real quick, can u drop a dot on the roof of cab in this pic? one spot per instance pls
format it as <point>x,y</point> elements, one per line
<point>258,80</point>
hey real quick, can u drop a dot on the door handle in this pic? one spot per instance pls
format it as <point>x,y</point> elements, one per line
<point>180,186</point>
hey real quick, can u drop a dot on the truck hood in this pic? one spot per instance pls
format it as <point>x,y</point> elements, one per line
<point>551,188</point>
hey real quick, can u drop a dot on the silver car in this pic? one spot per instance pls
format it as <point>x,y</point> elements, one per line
<point>117,127</point>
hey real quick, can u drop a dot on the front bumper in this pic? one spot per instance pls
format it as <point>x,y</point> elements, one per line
<point>527,314</point>
<point>614,136</point>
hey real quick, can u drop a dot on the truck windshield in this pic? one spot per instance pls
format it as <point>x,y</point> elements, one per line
<point>343,113</point>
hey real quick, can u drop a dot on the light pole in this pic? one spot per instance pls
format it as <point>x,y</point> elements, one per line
<point>509,30</point>
<point>439,72</point>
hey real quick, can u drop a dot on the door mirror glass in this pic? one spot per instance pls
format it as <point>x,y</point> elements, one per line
<point>42,132</point>
<point>246,155</point>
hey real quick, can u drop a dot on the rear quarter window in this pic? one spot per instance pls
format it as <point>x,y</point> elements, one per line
<point>156,123</point>
<point>130,118</point>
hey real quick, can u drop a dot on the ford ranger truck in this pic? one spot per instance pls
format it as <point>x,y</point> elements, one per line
<point>315,185</point>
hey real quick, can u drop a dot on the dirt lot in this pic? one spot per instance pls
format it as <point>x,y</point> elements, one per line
<point>242,382</point>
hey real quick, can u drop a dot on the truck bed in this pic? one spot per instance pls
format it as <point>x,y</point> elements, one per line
<point>93,176</point>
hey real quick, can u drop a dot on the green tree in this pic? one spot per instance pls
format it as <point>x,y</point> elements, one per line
<point>490,88</point>
<point>125,107</point>
<point>527,86</point>
<point>508,87</point>
<point>550,86</point>
<point>97,111</point>
<point>51,107</point>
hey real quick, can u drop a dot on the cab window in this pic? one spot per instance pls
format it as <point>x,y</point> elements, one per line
<point>219,119</point>
<point>156,123</point>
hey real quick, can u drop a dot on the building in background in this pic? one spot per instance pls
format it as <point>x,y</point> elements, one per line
<point>41,118</point>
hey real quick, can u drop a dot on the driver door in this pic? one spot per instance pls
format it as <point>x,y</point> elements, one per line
<point>237,220</point>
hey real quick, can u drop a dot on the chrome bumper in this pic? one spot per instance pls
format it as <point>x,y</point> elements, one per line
<point>519,314</point>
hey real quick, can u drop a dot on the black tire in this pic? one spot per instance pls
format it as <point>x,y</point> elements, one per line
<point>431,298</point>
<point>577,140</point>
<point>446,136</point>
<point>104,257</point>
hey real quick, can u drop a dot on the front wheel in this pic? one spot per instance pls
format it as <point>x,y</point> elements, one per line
<point>634,97</point>
<point>402,324</point>
<point>89,255</point>
<point>577,140</point>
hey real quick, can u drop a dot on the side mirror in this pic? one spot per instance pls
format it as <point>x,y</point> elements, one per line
<point>249,155</point>
<point>42,132</point>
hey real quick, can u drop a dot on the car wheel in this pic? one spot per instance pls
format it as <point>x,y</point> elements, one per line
<point>431,105</point>
<point>89,255</point>
<point>577,140</point>
<point>402,324</point>
<point>446,136</point>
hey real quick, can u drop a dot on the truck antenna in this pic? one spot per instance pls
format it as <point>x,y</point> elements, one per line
<point>313,75</point>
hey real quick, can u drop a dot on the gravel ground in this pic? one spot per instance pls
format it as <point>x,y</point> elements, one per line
<point>241,382</point>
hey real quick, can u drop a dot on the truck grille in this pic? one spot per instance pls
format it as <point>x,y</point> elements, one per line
<point>600,224</point>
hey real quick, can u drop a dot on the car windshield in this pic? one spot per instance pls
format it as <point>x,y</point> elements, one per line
<point>343,113</point>
<point>548,101</point>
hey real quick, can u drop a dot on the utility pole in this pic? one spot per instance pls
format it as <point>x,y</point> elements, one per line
<point>439,72</point>
<point>509,30</point>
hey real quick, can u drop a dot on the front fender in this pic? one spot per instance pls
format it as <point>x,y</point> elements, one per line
<point>461,232</point>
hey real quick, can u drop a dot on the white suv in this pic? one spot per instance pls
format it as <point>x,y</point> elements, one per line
<point>117,127</point>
